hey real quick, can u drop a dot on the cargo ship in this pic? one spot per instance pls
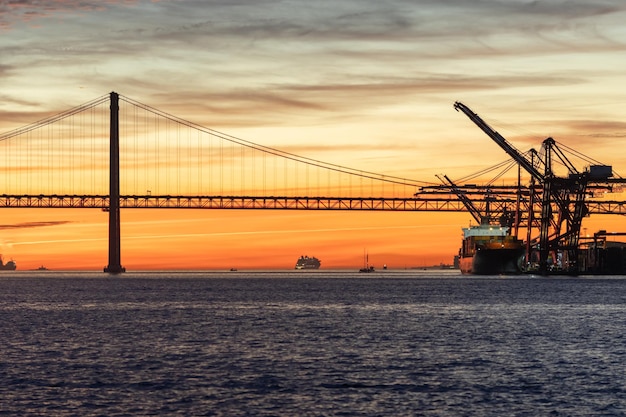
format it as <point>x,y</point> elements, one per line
<point>9,266</point>
<point>490,250</point>
<point>306,262</point>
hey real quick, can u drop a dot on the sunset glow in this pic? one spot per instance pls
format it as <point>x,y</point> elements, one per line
<point>366,85</point>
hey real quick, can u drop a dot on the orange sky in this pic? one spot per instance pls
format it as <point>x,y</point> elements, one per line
<point>223,239</point>
<point>368,85</point>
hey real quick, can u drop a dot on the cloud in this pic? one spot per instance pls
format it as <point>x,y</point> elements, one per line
<point>347,19</point>
<point>587,136</point>
<point>310,103</point>
<point>251,43</point>
<point>340,30</point>
<point>245,63</point>
<point>28,225</point>
<point>30,11</point>
<point>4,70</point>
<point>596,128</point>
<point>17,119</point>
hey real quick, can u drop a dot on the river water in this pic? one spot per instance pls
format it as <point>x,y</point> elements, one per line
<point>321,343</point>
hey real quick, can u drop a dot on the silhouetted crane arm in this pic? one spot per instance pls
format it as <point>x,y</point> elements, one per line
<point>500,140</point>
<point>469,205</point>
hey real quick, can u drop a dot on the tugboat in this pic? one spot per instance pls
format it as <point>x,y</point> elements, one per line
<point>9,266</point>
<point>306,262</point>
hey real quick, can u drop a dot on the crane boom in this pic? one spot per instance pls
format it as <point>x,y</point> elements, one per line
<point>500,140</point>
<point>467,202</point>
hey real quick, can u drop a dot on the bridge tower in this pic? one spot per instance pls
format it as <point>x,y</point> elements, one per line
<point>115,263</point>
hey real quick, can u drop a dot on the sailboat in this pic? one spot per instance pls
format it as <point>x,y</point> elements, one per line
<point>366,266</point>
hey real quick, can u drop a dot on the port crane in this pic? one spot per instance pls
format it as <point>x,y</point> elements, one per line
<point>554,204</point>
<point>486,215</point>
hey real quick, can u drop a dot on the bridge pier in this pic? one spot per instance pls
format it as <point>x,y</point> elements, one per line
<point>115,263</point>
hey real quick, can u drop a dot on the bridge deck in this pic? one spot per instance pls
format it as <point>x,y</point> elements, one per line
<point>273,203</point>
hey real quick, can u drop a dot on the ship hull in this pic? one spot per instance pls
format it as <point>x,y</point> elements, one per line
<point>493,262</point>
<point>307,266</point>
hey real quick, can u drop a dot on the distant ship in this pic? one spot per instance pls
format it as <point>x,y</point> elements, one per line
<point>306,262</point>
<point>9,266</point>
<point>366,266</point>
<point>490,250</point>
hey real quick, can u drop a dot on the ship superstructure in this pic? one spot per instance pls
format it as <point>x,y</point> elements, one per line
<point>308,262</point>
<point>9,266</point>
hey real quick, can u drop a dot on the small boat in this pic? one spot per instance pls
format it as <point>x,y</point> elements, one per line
<point>366,266</point>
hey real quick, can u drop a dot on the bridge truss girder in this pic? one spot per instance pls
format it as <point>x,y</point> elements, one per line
<point>425,203</point>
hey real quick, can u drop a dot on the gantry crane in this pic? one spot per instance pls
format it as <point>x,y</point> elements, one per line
<point>561,199</point>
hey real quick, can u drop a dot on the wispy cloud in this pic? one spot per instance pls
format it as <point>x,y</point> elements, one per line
<point>245,63</point>
<point>29,225</point>
<point>269,104</point>
<point>29,11</point>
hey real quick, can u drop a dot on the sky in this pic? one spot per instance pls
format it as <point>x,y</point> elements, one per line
<point>365,84</point>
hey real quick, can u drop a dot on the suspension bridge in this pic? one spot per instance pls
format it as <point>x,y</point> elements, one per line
<point>114,152</point>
